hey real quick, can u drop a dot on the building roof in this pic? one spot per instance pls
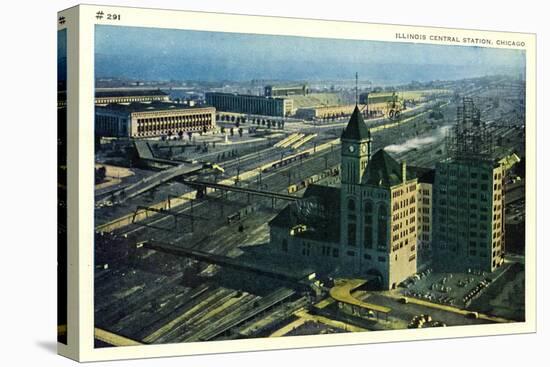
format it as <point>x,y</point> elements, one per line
<point>289,86</point>
<point>357,128</point>
<point>129,93</point>
<point>318,210</point>
<point>147,107</point>
<point>424,175</point>
<point>383,170</point>
<point>62,94</point>
<point>243,96</point>
<point>315,100</point>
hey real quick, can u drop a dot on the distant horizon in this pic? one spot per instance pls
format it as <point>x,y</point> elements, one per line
<point>292,82</point>
<point>150,54</point>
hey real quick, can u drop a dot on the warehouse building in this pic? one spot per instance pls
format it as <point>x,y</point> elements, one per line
<point>281,90</point>
<point>321,112</point>
<point>249,104</point>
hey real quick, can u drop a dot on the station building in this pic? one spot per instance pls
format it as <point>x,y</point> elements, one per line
<point>366,227</point>
<point>386,219</point>
<point>249,104</point>
<point>148,120</point>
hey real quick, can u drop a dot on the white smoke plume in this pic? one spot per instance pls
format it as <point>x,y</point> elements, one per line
<point>418,142</point>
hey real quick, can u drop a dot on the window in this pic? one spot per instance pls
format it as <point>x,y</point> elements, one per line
<point>368,224</point>
<point>382,226</point>
<point>335,252</point>
<point>351,205</point>
<point>306,249</point>
<point>351,234</point>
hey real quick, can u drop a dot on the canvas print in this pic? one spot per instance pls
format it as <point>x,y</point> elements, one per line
<point>269,186</point>
<point>62,186</point>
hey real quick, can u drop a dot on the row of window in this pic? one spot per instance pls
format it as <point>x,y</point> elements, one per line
<point>398,193</point>
<point>464,174</point>
<point>129,99</point>
<point>403,214</point>
<point>110,125</point>
<point>173,126</point>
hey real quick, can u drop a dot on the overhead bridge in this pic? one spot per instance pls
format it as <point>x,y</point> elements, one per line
<point>221,187</point>
<point>153,181</point>
<point>341,293</point>
<point>228,262</point>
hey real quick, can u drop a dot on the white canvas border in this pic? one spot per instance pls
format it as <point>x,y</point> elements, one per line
<point>81,158</point>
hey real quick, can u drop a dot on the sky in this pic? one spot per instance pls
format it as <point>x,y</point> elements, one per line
<point>165,54</point>
<point>61,55</point>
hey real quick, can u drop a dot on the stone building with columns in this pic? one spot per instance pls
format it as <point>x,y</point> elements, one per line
<point>150,120</point>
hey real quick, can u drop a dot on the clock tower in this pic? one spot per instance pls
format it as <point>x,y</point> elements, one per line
<point>356,150</point>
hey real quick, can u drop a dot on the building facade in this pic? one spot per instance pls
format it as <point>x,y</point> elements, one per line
<point>386,226</point>
<point>142,120</point>
<point>249,104</point>
<point>468,215</point>
<point>374,233</point>
<point>321,112</point>
<point>424,228</point>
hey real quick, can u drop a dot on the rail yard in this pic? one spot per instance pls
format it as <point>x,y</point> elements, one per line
<point>180,242</point>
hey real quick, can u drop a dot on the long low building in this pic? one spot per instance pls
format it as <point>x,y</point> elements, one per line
<point>285,90</point>
<point>108,96</point>
<point>147,120</point>
<point>104,97</point>
<point>249,104</point>
<point>321,112</point>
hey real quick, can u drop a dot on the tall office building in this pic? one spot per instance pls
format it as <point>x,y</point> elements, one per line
<point>468,215</point>
<point>468,208</point>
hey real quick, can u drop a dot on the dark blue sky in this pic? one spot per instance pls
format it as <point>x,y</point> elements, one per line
<point>163,54</point>
<point>62,55</point>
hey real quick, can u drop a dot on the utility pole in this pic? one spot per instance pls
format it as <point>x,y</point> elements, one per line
<point>356,86</point>
<point>260,177</point>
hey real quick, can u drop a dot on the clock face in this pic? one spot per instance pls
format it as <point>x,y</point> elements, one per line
<point>351,149</point>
